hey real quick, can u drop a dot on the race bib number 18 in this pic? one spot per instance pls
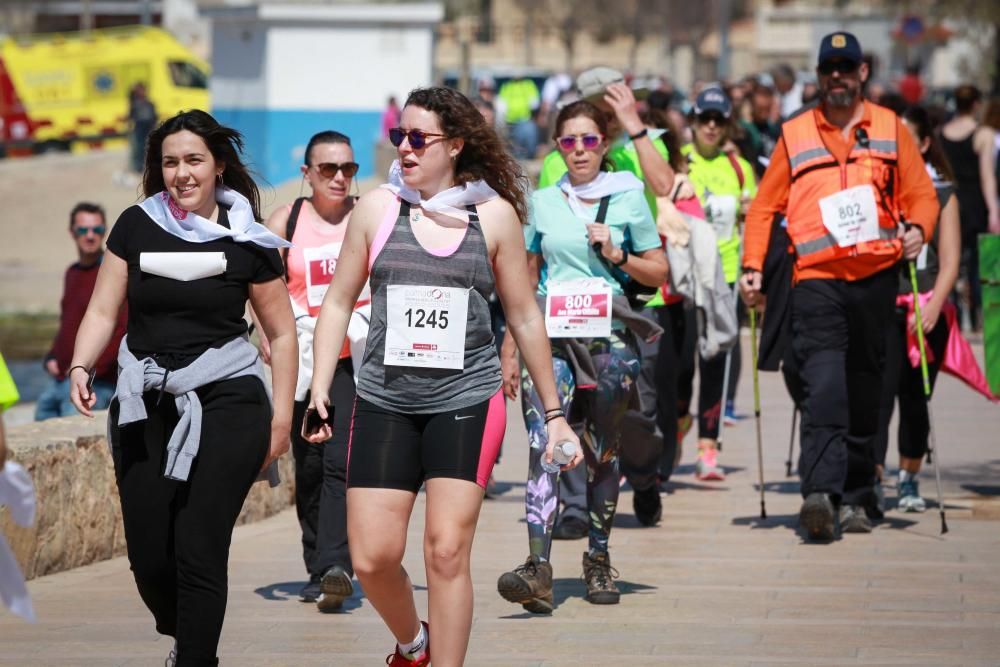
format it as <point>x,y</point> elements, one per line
<point>425,326</point>
<point>320,264</point>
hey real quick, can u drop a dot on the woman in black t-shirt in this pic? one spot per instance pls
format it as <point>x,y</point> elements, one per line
<point>188,259</point>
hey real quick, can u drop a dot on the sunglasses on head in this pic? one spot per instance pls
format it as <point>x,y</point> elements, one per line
<point>590,141</point>
<point>706,117</point>
<point>840,66</point>
<point>330,169</point>
<point>417,138</point>
<point>83,231</point>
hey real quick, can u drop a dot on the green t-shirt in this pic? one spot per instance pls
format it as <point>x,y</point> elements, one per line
<point>718,187</point>
<point>555,233</point>
<point>622,154</point>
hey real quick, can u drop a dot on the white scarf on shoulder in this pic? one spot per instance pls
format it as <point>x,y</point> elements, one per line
<point>606,183</point>
<point>447,201</point>
<point>165,212</point>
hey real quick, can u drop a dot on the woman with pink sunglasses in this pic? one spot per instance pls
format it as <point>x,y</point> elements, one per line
<point>590,238</point>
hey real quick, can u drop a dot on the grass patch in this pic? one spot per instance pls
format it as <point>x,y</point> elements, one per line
<point>27,336</point>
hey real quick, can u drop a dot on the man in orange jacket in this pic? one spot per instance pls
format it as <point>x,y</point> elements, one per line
<point>852,185</point>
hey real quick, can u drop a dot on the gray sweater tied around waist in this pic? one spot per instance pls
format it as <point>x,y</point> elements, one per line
<point>236,358</point>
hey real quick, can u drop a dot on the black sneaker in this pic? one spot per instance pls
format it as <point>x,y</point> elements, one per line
<point>647,505</point>
<point>310,592</point>
<point>570,528</point>
<point>853,519</point>
<point>600,576</point>
<point>336,587</point>
<point>817,517</point>
<point>529,585</point>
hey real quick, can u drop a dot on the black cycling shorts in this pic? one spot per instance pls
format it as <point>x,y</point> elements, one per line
<point>393,450</point>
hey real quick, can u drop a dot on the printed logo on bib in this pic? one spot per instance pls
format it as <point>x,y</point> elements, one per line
<point>851,215</point>
<point>578,308</point>
<point>320,265</point>
<point>721,211</point>
<point>426,326</point>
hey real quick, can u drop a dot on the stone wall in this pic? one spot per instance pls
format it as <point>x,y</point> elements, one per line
<point>79,519</point>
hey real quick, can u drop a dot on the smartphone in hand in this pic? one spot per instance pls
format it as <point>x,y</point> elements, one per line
<point>312,422</point>
<point>91,374</point>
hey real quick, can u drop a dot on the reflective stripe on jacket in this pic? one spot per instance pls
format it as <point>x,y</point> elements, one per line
<point>816,174</point>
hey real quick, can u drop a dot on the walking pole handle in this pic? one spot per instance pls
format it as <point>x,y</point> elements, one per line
<point>920,329</point>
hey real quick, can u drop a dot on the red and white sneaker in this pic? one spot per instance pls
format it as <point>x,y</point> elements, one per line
<point>397,659</point>
<point>706,468</point>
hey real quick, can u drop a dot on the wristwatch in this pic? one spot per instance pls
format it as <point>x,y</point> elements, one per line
<point>624,258</point>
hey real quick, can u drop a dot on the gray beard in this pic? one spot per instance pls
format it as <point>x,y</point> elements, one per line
<point>842,100</point>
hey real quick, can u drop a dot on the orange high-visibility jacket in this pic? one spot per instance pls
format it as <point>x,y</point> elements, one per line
<point>816,174</point>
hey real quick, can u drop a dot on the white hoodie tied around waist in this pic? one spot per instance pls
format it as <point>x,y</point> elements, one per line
<point>237,358</point>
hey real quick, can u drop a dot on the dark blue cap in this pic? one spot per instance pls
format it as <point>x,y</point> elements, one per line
<point>713,99</point>
<point>840,45</point>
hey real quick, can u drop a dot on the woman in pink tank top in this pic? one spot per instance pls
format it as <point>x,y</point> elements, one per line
<point>316,226</point>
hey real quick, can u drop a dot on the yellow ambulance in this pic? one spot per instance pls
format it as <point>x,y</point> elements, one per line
<point>70,91</point>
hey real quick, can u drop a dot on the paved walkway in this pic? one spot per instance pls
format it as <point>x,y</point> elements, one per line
<point>712,585</point>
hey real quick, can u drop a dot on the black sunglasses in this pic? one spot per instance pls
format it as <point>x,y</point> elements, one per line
<point>417,138</point>
<point>840,66</point>
<point>330,169</point>
<point>706,117</point>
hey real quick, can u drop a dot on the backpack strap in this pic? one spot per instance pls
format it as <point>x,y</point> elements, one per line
<point>733,160</point>
<point>602,214</point>
<point>602,210</point>
<point>293,219</point>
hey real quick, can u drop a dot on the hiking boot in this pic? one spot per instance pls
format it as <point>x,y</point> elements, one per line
<point>311,591</point>
<point>817,517</point>
<point>647,505</point>
<point>707,468</point>
<point>909,497</point>
<point>570,528</point>
<point>336,587</point>
<point>853,519</point>
<point>397,659</point>
<point>600,576</point>
<point>529,585</point>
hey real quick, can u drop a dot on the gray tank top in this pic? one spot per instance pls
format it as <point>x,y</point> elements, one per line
<point>403,261</point>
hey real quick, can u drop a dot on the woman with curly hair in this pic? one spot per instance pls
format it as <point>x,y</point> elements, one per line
<point>435,242</point>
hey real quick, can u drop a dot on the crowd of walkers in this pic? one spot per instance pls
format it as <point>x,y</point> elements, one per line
<point>618,274</point>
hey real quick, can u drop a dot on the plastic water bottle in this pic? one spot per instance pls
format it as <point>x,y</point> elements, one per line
<point>562,454</point>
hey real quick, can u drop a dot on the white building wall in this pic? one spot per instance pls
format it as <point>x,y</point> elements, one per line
<point>349,68</point>
<point>239,75</point>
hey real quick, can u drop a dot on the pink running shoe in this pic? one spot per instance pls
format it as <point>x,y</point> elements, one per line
<point>706,468</point>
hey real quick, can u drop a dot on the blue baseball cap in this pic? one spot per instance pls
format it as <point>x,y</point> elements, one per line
<point>713,99</point>
<point>840,45</point>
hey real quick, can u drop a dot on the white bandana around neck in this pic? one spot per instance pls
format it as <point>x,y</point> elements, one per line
<point>165,212</point>
<point>606,183</point>
<point>446,201</point>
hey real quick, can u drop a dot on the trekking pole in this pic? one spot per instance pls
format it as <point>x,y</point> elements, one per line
<point>927,391</point>
<point>791,442</point>
<point>756,408</point>
<point>727,374</point>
